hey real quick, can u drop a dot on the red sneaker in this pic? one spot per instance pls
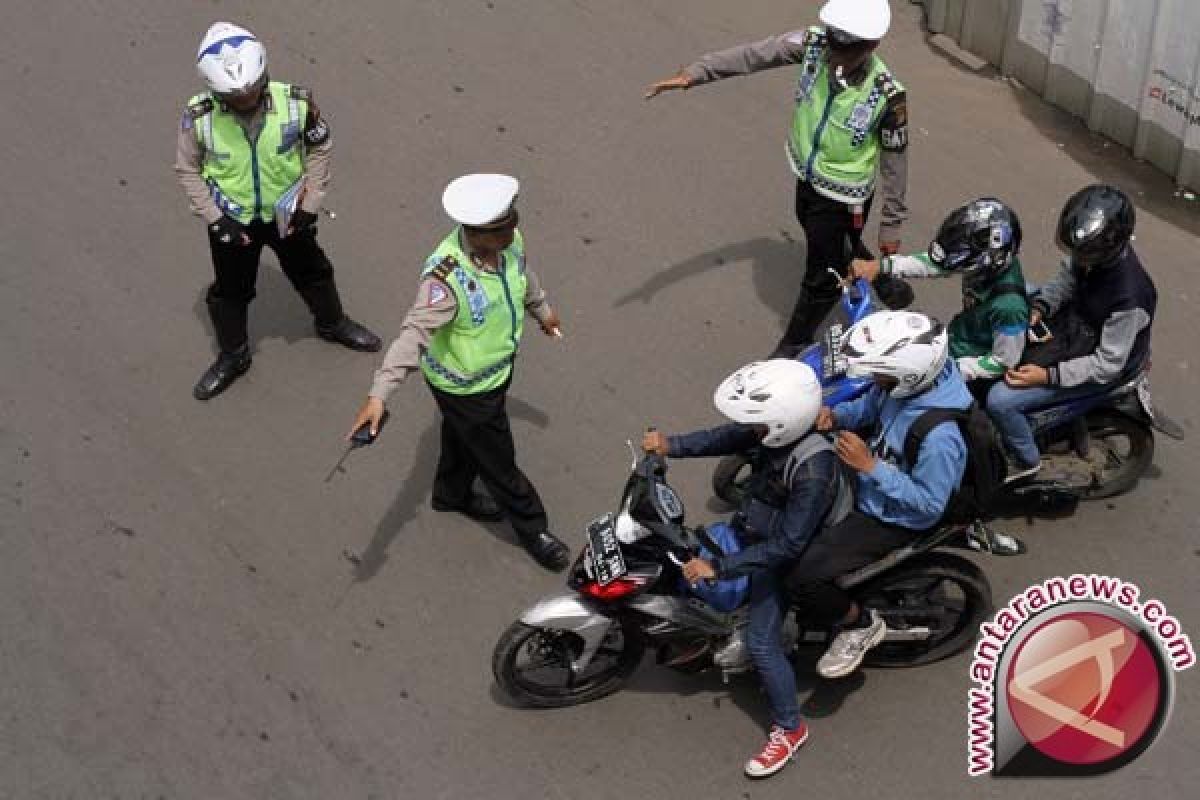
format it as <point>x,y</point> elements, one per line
<point>780,747</point>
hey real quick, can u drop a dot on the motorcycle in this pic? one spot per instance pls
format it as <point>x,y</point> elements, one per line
<point>1098,445</point>
<point>1093,447</point>
<point>627,594</point>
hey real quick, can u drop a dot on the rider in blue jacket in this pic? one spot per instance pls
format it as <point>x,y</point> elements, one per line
<point>907,356</point>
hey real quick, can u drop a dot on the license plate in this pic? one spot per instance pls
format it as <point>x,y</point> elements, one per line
<point>833,363</point>
<point>604,550</point>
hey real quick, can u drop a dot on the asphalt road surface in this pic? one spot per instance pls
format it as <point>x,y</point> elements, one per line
<point>178,619</point>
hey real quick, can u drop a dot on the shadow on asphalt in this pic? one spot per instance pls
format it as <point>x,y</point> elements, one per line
<point>776,264</point>
<point>417,489</point>
<point>277,311</point>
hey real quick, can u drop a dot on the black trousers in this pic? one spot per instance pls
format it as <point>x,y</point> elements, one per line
<point>235,268</point>
<point>477,442</point>
<point>833,238</point>
<point>855,542</point>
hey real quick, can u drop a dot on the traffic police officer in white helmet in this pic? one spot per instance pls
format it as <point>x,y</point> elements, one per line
<point>462,334</point>
<point>253,157</point>
<point>849,129</point>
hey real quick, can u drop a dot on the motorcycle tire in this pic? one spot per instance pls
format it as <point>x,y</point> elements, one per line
<point>527,694</point>
<point>1101,425</point>
<point>892,594</point>
<point>728,482</point>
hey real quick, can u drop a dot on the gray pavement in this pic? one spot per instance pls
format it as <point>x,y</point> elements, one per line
<point>177,619</point>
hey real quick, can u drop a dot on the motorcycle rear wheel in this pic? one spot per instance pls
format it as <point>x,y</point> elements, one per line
<point>1123,465</point>
<point>524,654</point>
<point>941,591</point>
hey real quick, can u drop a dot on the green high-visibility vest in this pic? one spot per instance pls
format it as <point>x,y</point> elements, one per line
<point>248,177</point>
<point>834,144</point>
<point>475,352</point>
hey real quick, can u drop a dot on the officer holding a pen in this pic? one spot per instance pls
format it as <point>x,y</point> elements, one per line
<point>463,333</point>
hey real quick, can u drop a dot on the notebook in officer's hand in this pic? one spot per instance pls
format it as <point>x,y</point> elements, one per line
<point>286,206</point>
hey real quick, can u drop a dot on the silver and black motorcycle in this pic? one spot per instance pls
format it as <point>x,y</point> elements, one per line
<point>627,595</point>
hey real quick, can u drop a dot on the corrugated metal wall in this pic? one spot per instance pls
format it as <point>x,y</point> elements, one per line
<point>1129,68</point>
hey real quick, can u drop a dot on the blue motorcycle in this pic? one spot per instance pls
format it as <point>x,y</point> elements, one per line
<point>1092,447</point>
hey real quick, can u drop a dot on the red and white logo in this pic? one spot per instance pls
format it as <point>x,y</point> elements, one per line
<point>1074,677</point>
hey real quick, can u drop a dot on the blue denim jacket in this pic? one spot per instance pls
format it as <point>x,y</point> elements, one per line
<point>788,531</point>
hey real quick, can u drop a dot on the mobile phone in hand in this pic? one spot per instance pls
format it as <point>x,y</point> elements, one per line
<point>1038,332</point>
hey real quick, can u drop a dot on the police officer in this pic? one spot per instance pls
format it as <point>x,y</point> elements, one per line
<point>850,123</point>
<point>253,157</point>
<point>463,332</point>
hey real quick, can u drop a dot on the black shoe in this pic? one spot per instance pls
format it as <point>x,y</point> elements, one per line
<point>547,550</point>
<point>349,333</point>
<point>480,507</point>
<point>224,371</point>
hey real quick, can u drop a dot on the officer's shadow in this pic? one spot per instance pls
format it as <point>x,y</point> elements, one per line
<point>777,267</point>
<point>416,491</point>
<point>277,312</point>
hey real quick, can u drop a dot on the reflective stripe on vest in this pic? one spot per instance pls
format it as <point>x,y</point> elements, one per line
<point>475,352</point>
<point>832,144</point>
<point>247,178</point>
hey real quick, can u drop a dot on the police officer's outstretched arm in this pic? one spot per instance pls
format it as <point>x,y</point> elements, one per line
<point>434,307</point>
<point>743,59</point>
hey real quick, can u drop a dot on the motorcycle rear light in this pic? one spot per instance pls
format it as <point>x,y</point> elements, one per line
<point>621,587</point>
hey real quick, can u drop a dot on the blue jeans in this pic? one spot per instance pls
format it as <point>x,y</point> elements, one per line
<point>768,608</point>
<point>1007,407</point>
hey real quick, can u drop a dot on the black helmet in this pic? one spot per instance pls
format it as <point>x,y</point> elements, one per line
<point>1095,225</point>
<point>978,240</point>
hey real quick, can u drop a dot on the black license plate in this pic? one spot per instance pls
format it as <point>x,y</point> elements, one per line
<point>608,563</point>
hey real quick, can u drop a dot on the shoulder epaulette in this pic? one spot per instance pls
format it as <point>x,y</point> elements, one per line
<point>200,108</point>
<point>443,269</point>
<point>301,93</point>
<point>887,84</point>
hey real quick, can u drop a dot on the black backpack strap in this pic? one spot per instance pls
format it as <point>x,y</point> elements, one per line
<point>923,424</point>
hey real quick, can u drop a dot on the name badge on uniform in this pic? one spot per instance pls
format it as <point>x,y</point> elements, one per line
<point>860,118</point>
<point>804,86</point>
<point>477,300</point>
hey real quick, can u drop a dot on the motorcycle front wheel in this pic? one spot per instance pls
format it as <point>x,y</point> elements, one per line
<point>533,665</point>
<point>729,479</point>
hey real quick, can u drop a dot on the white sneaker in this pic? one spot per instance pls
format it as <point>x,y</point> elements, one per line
<point>1016,472</point>
<point>849,647</point>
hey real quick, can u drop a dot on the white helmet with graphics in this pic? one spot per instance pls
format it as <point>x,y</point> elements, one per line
<point>903,346</point>
<point>231,60</point>
<point>868,20</point>
<point>782,395</point>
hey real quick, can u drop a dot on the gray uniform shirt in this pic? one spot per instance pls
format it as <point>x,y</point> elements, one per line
<point>189,160</point>
<point>436,305</point>
<point>788,48</point>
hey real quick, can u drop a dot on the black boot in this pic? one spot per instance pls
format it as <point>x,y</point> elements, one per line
<point>229,323</point>
<point>331,322</point>
<point>224,371</point>
<point>546,549</point>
